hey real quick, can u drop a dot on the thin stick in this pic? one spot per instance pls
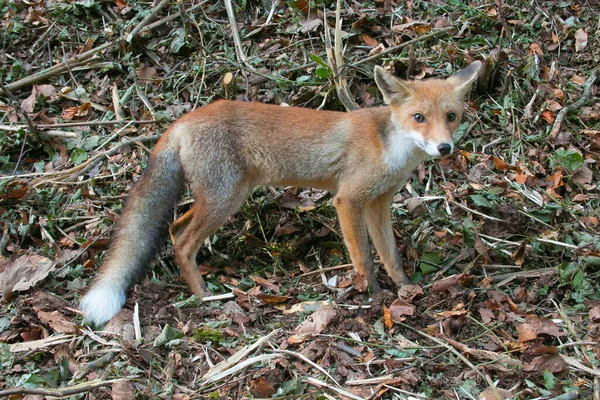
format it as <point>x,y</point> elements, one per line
<point>239,51</point>
<point>403,45</point>
<point>62,392</point>
<point>58,68</point>
<point>146,20</point>
<point>587,92</point>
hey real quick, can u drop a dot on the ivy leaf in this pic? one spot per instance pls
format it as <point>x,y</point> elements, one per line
<point>480,201</point>
<point>78,156</point>
<point>179,40</point>
<point>569,158</point>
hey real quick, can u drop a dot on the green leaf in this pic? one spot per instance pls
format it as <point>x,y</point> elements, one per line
<point>577,280</point>
<point>429,262</point>
<point>549,380</point>
<point>480,201</point>
<point>168,334</point>
<point>323,72</point>
<point>78,156</point>
<point>319,60</point>
<point>179,40</point>
<point>569,158</point>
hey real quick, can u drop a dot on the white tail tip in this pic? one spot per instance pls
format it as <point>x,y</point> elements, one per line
<point>101,303</point>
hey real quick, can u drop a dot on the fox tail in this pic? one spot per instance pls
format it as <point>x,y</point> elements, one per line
<point>138,238</point>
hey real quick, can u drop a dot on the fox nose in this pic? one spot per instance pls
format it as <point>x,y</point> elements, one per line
<point>444,149</point>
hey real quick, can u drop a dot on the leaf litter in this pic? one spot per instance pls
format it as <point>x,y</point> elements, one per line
<point>501,239</point>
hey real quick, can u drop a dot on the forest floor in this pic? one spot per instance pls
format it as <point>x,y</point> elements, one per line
<point>500,239</point>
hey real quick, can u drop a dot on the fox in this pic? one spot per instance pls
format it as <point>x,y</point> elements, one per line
<point>225,149</point>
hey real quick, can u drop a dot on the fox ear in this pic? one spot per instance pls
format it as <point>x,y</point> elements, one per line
<point>392,88</point>
<point>463,79</point>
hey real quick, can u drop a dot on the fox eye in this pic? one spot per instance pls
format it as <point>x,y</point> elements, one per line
<point>451,117</point>
<point>420,118</point>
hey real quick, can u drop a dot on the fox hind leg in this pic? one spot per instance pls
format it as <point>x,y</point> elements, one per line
<point>191,230</point>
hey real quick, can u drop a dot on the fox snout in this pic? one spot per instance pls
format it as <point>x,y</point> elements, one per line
<point>436,148</point>
<point>445,148</point>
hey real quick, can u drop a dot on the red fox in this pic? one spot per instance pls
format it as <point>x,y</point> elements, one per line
<point>225,149</point>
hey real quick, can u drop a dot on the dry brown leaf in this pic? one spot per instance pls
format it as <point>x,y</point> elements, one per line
<point>551,362</point>
<point>369,41</point>
<point>536,326</point>
<point>519,255</point>
<point>387,318</point>
<point>38,90</point>
<point>401,309</point>
<point>548,116</point>
<point>271,299</point>
<point>265,283</point>
<point>23,273</point>
<point>500,164</point>
<point>594,314</point>
<point>534,47</point>
<point>57,321</point>
<point>492,394</point>
<point>444,284</point>
<point>261,387</point>
<point>581,40</point>
<point>317,321</point>
<point>409,292</point>
<point>122,390</point>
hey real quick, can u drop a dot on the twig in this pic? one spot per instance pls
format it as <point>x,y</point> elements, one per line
<point>239,51</point>
<point>146,20</point>
<point>169,18</point>
<point>403,45</point>
<point>66,61</point>
<point>307,360</point>
<point>19,109</point>
<point>485,377</point>
<point>62,392</point>
<point>335,57</point>
<point>58,68</point>
<point>72,173</point>
<point>322,384</point>
<point>587,92</point>
<point>76,124</point>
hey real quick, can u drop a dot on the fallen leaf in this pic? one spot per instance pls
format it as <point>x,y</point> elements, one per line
<point>400,309</point>
<point>534,47</point>
<point>548,116</point>
<point>317,321</point>
<point>265,283</point>
<point>261,387</point>
<point>122,390</point>
<point>581,40</point>
<point>536,326</point>
<point>38,90</point>
<point>519,255</point>
<point>500,164</point>
<point>409,292</point>
<point>594,314</point>
<point>387,318</point>
<point>271,299</point>
<point>369,41</point>
<point>57,321</point>
<point>551,362</point>
<point>23,273</point>
<point>495,393</point>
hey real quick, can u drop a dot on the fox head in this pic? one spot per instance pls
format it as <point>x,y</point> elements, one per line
<point>428,111</point>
